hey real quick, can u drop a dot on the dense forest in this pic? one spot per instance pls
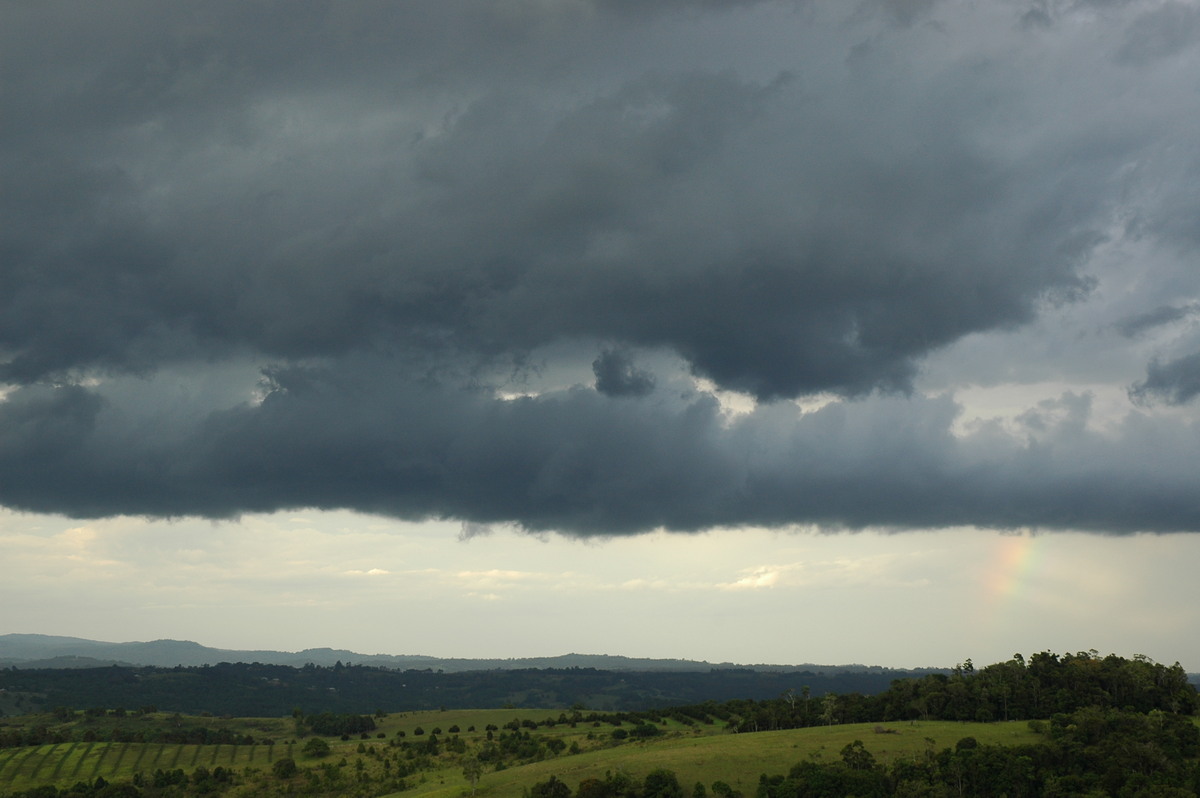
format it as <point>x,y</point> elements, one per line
<point>1014,690</point>
<point>271,690</point>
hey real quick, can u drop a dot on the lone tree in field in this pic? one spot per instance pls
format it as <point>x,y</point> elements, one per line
<point>472,770</point>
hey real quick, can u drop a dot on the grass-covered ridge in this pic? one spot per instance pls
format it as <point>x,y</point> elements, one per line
<point>735,759</point>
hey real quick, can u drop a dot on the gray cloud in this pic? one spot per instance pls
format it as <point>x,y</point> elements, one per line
<point>903,12</point>
<point>1164,314</point>
<point>389,206</point>
<point>1160,33</point>
<point>617,376</point>
<point>1175,381</point>
<point>578,462</point>
<point>1037,16</point>
<point>673,209</point>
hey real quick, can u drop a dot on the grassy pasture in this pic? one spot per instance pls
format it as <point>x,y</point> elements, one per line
<point>736,759</point>
<point>701,753</point>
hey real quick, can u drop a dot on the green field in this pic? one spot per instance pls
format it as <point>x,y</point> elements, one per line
<point>736,759</point>
<point>700,753</point>
<point>697,754</point>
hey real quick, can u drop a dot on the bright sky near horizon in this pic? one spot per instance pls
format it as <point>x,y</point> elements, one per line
<point>735,330</point>
<point>374,585</point>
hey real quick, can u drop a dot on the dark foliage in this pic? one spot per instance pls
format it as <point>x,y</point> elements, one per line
<point>254,689</point>
<point>1090,751</point>
<point>333,724</point>
<point>1013,690</point>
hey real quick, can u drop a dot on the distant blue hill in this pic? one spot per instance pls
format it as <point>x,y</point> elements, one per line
<point>50,651</point>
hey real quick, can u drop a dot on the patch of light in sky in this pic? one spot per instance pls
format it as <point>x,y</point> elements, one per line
<point>733,403</point>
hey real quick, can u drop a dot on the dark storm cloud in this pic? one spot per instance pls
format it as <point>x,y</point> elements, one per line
<point>278,190</point>
<point>394,204</point>
<point>578,462</point>
<point>616,375</point>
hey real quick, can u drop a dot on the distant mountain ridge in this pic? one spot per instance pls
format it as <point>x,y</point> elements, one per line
<point>51,651</point>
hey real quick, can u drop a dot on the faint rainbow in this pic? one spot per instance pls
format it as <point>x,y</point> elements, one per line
<point>1011,566</point>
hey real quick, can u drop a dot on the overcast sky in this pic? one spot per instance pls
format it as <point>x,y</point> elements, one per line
<point>749,330</point>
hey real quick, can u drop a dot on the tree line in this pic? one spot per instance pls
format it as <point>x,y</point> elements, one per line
<point>258,690</point>
<point>1017,689</point>
<point>186,735</point>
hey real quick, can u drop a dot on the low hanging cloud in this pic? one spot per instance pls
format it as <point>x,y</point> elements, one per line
<point>406,215</point>
<point>578,462</point>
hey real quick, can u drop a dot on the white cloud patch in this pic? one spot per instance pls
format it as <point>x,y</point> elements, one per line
<point>884,570</point>
<point>760,577</point>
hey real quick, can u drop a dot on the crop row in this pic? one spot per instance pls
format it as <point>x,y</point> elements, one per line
<point>66,763</point>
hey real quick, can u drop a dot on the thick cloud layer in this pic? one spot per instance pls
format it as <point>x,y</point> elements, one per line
<point>578,461</point>
<point>409,214</point>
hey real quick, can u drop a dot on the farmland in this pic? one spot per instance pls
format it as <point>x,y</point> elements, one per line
<point>704,753</point>
<point>1068,725</point>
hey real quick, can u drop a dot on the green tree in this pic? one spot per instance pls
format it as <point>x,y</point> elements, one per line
<point>316,747</point>
<point>829,706</point>
<point>593,788</point>
<point>856,757</point>
<point>472,770</point>
<point>284,768</point>
<point>551,788</point>
<point>662,783</point>
<point>722,789</point>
